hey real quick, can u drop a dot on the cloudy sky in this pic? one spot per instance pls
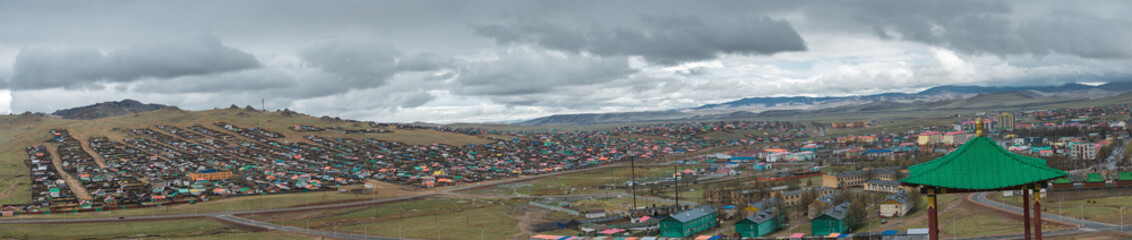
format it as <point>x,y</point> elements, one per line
<point>474,61</point>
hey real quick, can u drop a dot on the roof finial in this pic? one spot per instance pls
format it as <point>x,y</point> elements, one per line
<point>979,128</point>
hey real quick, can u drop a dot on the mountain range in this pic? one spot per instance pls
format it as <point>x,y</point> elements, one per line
<point>936,98</point>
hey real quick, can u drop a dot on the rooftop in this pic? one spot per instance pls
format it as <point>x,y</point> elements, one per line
<point>692,214</point>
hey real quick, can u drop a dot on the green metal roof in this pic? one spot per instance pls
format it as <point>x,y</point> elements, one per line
<point>1124,176</point>
<point>980,164</point>
<point>1062,181</point>
<point>1094,177</point>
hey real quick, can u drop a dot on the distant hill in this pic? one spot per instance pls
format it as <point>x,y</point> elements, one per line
<point>108,109</point>
<point>937,98</point>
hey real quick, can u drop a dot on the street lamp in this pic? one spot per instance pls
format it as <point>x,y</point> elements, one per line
<point>1082,213</point>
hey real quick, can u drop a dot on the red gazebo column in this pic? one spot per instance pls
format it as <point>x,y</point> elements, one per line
<point>1025,211</point>
<point>933,223</point>
<point>1038,212</point>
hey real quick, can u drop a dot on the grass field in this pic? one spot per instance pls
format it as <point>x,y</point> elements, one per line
<point>456,218</point>
<point>581,183</point>
<point>956,218</point>
<point>158,229</point>
<point>1105,209</point>
<point>13,174</point>
<point>252,235</point>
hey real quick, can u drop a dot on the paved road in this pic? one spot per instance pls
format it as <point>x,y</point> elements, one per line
<point>1116,156</point>
<point>1086,224</point>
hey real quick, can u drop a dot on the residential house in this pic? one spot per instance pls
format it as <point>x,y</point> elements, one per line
<point>896,205</point>
<point>845,179</point>
<point>831,221</point>
<point>888,186</point>
<point>760,224</point>
<point>688,223</point>
<point>793,198</point>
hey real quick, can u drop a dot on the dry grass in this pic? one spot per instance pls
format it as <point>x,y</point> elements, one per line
<point>153,229</point>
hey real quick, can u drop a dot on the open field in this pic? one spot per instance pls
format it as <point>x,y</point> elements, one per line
<point>1099,206</point>
<point>970,220</point>
<point>456,218</point>
<point>157,229</point>
<point>13,173</point>
<point>252,236</point>
<point>578,183</point>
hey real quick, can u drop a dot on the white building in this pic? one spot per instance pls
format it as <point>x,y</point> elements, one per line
<point>1083,150</point>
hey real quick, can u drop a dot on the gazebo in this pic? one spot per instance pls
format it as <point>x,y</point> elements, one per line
<point>982,165</point>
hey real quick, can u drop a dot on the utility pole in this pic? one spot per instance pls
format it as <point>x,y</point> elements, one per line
<point>676,178</point>
<point>633,184</point>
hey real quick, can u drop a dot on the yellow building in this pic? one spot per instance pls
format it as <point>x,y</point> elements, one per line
<point>1006,120</point>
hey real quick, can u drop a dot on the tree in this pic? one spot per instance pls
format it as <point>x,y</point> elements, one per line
<point>808,197</point>
<point>916,199</point>
<point>855,215</point>
<point>780,210</point>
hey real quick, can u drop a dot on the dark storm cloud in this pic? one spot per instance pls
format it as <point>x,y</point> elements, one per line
<point>69,67</point>
<point>361,66</point>
<point>986,27</point>
<point>242,81</point>
<point>663,39</point>
<point>526,72</point>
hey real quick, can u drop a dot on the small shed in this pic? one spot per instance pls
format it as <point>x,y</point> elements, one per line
<point>1094,180</point>
<point>1123,179</point>
<point>595,213</point>
<point>1061,183</point>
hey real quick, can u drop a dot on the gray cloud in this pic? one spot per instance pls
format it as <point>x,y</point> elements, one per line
<point>70,67</point>
<point>990,27</point>
<point>361,66</point>
<point>523,73</point>
<point>248,80</point>
<point>503,59</point>
<point>660,39</point>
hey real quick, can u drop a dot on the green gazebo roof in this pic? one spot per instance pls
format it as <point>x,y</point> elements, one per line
<point>1124,176</point>
<point>980,164</point>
